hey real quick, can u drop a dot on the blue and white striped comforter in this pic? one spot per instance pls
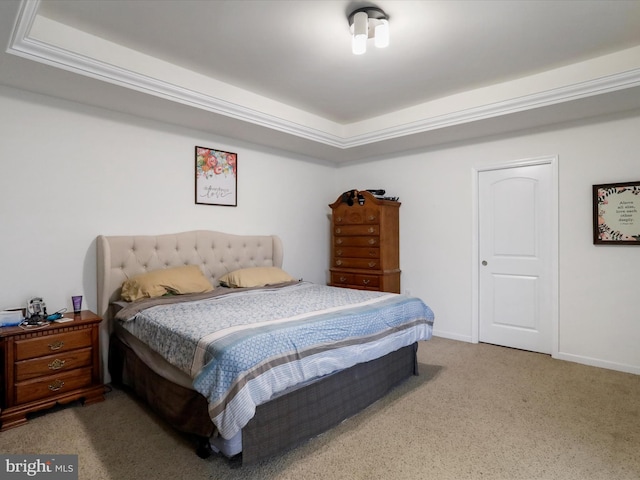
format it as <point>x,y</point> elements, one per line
<point>245,347</point>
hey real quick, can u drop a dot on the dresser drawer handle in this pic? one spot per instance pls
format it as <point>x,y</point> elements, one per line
<point>343,279</point>
<point>339,252</point>
<point>372,264</point>
<point>56,345</point>
<point>338,262</point>
<point>372,254</point>
<point>338,230</point>
<point>365,281</point>
<point>339,219</point>
<point>57,364</point>
<point>372,241</point>
<point>371,230</point>
<point>56,385</point>
<point>339,241</point>
<point>372,218</point>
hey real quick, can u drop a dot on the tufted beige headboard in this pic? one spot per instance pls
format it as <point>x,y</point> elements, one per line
<point>216,253</point>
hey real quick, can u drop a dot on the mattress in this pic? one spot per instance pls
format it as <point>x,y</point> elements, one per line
<point>290,415</point>
<point>278,425</point>
<point>244,347</point>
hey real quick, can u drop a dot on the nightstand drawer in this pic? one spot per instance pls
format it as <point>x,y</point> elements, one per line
<point>52,385</point>
<point>59,362</point>
<point>50,344</point>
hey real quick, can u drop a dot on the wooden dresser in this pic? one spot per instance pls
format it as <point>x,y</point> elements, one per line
<point>365,244</point>
<point>57,363</point>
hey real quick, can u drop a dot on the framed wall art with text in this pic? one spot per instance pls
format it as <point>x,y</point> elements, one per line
<point>616,213</point>
<point>216,177</point>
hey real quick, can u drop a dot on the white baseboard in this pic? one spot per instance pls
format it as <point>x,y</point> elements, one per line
<point>569,357</point>
<point>452,336</point>
<point>596,362</point>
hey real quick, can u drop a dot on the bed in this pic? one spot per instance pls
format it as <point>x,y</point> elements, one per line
<point>349,348</point>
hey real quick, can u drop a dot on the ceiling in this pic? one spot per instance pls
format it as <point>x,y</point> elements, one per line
<point>281,73</point>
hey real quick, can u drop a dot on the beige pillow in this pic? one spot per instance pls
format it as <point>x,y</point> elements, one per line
<point>179,280</point>
<point>255,277</point>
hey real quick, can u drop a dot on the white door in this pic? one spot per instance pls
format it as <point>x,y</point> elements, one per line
<point>515,293</point>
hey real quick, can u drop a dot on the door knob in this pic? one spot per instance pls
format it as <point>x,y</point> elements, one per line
<point>484,263</point>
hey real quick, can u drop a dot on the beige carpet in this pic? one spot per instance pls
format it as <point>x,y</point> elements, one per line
<point>475,412</point>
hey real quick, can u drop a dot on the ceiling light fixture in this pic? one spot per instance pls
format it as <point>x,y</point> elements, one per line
<point>365,23</point>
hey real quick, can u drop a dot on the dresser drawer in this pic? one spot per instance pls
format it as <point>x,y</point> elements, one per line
<point>357,252</point>
<point>367,281</point>
<point>341,278</point>
<point>52,385</point>
<point>51,364</point>
<point>357,241</point>
<point>356,215</point>
<point>361,263</point>
<point>355,281</point>
<point>356,230</point>
<point>50,344</point>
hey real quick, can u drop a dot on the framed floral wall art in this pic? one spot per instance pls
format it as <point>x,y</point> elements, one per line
<point>216,177</point>
<point>616,213</point>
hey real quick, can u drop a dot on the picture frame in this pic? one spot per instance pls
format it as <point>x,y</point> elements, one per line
<point>216,173</point>
<point>616,213</point>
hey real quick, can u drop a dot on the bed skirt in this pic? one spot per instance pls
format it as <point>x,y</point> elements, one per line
<point>279,424</point>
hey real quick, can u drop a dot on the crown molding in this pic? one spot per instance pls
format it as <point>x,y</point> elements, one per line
<point>30,48</point>
<point>599,86</point>
<point>21,44</point>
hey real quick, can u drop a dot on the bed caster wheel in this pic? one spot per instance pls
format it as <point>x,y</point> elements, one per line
<point>235,461</point>
<point>203,450</point>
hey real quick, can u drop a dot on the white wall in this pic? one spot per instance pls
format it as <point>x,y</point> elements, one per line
<point>599,293</point>
<point>69,172</point>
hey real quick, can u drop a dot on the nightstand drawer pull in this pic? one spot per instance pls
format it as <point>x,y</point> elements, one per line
<point>56,385</point>
<point>366,281</point>
<point>57,364</point>
<point>372,264</point>
<point>56,345</point>
<point>371,230</point>
<point>343,279</point>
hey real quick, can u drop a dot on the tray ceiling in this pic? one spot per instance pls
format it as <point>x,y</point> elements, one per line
<point>282,74</point>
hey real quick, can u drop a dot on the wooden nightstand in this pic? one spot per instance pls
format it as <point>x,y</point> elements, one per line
<point>40,367</point>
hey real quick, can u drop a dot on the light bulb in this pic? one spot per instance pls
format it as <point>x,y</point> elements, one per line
<point>360,33</point>
<point>382,34</point>
<point>359,44</point>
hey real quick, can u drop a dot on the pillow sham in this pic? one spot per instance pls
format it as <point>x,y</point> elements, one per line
<point>255,277</point>
<point>177,280</point>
